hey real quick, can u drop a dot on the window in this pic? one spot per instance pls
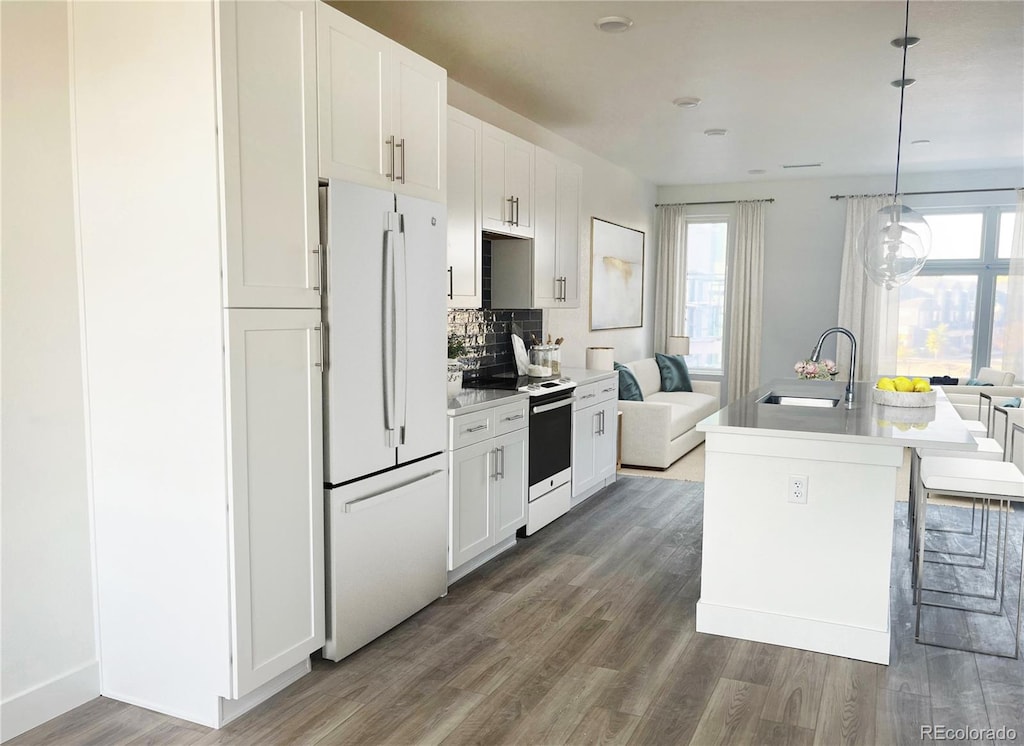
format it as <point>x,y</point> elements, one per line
<point>706,243</point>
<point>951,314</point>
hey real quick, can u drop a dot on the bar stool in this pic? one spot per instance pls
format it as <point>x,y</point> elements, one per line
<point>1001,481</point>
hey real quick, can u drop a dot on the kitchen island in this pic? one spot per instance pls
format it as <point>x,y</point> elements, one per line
<point>798,514</point>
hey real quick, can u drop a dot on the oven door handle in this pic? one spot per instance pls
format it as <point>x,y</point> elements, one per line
<point>540,408</point>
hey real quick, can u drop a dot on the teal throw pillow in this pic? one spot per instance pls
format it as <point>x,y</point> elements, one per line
<point>674,374</point>
<point>976,382</point>
<point>1013,403</point>
<point>629,387</point>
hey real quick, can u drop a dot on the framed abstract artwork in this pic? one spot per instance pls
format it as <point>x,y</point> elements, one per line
<point>616,276</point>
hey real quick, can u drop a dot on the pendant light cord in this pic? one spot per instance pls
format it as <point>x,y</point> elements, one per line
<point>903,89</point>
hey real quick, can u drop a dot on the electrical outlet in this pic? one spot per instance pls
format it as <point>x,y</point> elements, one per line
<point>798,489</point>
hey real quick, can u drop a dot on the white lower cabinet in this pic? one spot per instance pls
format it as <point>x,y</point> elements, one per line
<point>487,480</point>
<point>595,436</point>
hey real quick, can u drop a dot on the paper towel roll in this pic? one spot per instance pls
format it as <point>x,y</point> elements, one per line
<point>600,358</point>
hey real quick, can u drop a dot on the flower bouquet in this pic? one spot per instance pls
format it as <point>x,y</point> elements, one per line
<point>823,370</point>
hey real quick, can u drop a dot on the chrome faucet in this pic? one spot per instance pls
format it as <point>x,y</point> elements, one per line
<point>816,356</point>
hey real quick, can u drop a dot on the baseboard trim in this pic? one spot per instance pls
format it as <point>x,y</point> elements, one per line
<point>481,559</point>
<point>234,708</point>
<point>793,632</point>
<point>25,711</point>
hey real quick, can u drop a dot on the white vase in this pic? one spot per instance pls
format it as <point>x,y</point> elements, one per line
<point>454,378</point>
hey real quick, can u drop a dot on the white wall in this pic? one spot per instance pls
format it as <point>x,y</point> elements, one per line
<point>610,193</point>
<point>804,246</point>
<point>48,632</point>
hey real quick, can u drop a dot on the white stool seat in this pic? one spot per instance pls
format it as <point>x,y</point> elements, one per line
<point>997,478</point>
<point>988,449</point>
<point>975,427</point>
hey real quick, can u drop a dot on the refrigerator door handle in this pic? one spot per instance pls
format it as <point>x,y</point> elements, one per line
<point>388,313</point>
<point>401,335</point>
<point>379,498</point>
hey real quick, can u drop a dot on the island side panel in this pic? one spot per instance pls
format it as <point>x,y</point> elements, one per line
<point>813,576</point>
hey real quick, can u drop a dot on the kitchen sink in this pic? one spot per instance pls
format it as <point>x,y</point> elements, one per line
<point>798,401</point>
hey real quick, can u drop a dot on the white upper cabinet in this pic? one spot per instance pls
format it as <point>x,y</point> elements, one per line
<point>268,110</point>
<point>382,110</point>
<point>556,249</point>
<point>507,172</point>
<point>464,230</point>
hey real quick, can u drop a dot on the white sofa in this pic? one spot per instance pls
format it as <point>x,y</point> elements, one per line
<point>965,398</point>
<point>660,429</point>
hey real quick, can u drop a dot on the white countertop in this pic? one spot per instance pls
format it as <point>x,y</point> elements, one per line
<point>473,400</point>
<point>938,427</point>
<point>586,375</point>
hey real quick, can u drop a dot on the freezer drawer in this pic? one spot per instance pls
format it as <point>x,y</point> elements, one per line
<point>387,552</point>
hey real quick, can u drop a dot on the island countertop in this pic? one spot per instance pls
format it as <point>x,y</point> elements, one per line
<point>865,422</point>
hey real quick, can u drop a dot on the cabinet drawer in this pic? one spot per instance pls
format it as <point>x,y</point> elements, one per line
<point>607,389</point>
<point>596,392</point>
<point>510,417</point>
<point>472,428</point>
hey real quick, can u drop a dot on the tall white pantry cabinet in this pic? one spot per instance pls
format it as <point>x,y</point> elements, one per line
<point>194,135</point>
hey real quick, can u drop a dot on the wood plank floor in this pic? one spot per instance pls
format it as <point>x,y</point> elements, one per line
<point>584,633</point>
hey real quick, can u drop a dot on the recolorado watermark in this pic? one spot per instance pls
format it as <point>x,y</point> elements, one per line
<point>947,733</point>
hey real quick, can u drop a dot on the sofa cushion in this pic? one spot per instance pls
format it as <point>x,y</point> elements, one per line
<point>674,374</point>
<point>648,374</point>
<point>978,382</point>
<point>629,389</point>
<point>688,408</point>
<point>995,377</point>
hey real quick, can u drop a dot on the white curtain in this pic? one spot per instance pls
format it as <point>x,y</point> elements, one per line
<point>1013,331</point>
<point>744,284</point>
<point>670,275</point>
<point>866,309</point>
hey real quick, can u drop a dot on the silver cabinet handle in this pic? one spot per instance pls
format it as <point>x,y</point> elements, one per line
<point>401,146</point>
<point>512,418</point>
<point>517,212</point>
<point>511,203</point>
<point>476,429</point>
<point>320,363</point>
<point>451,283</point>
<point>390,175</point>
<point>501,471</point>
<point>493,455</point>
<point>587,396</point>
<point>607,390</point>
<point>319,266</point>
<point>325,345</point>
<point>602,422</point>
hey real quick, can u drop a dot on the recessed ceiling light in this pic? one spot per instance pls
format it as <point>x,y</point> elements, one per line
<point>717,132</point>
<point>920,142</point>
<point>614,24</point>
<point>687,102</point>
<point>757,171</point>
<point>903,82</point>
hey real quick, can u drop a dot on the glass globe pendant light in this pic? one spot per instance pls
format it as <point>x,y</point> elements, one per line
<point>895,241</point>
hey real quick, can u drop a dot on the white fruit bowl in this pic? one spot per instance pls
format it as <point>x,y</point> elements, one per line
<point>904,415</point>
<point>903,398</point>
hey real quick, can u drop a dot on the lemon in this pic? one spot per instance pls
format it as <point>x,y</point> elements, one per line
<point>903,426</point>
<point>885,384</point>
<point>902,383</point>
<point>922,386</point>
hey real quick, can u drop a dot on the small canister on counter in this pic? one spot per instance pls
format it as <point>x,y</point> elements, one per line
<point>547,356</point>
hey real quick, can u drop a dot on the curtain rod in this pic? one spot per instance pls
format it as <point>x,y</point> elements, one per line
<point>908,194</point>
<point>716,202</point>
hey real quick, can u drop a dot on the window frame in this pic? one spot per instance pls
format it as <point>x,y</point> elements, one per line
<point>680,321</point>
<point>986,268</point>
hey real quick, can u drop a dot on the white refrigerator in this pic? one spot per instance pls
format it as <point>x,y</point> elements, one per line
<point>385,416</point>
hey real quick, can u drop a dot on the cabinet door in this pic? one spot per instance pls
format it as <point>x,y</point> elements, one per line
<point>586,423</point>
<point>355,97</point>
<point>496,209</point>
<point>465,247</point>
<point>268,99</point>
<point>546,285</point>
<point>511,488</point>
<point>419,112</point>
<point>605,445</point>
<point>567,237</point>
<point>276,506</point>
<point>471,471</point>
<point>519,160</point>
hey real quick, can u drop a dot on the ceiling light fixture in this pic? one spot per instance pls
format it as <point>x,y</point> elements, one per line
<point>757,171</point>
<point>613,24</point>
<point>716,132</point>
<point>920,142</point>
<point>687,102</point>
<point>895,241</point>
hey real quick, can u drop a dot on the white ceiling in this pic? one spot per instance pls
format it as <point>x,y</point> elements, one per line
<point>793,82</point>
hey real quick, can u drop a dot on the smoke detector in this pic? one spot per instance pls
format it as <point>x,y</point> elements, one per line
<point>613,24</point>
